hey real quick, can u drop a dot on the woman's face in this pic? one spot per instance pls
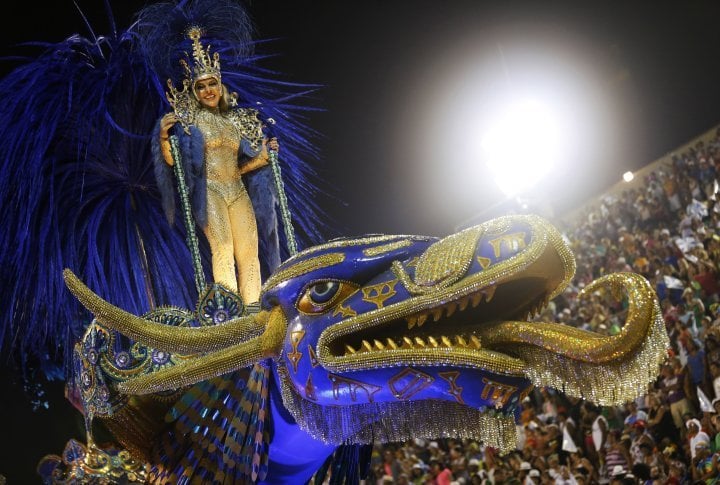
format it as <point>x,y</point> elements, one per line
<point>208,92</point>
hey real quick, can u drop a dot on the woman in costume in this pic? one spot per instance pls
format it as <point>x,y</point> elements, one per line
<point>77,177</point>
<point>231,144</point>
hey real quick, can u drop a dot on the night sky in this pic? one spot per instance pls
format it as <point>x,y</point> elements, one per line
<point>409,85</point>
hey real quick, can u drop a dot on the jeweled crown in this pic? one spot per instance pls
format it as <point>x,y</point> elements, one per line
<point>204,64</point>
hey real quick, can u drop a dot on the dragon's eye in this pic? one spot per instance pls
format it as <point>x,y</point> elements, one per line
<point>323,292</point>
<point>319,296</point>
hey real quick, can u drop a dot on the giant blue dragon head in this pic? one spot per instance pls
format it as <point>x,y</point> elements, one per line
<point>384,338</point>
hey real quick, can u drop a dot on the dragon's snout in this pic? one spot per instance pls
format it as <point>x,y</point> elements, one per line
<point>468,300</point>
<point>499,271</point>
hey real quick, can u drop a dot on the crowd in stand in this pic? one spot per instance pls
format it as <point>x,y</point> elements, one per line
<point>669,231</point>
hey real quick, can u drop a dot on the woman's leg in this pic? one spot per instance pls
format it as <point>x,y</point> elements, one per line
<point>220,238</point>
<point>245,242</point>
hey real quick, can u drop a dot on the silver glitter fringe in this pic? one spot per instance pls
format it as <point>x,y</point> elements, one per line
<point>398,421</point>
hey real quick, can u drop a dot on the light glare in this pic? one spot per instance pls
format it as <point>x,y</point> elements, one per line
<point>523,146</point>
<point>628,176</point>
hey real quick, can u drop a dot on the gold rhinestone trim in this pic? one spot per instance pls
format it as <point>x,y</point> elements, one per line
<point>605,370</point>
<point>449,259</point>
<point>355,242</point>
<point>215,364</point>
<point>386,248</point>
<point>165,337</point>
<point>303,267</point>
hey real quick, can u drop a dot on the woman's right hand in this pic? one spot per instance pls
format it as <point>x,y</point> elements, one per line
<point>167,122</point>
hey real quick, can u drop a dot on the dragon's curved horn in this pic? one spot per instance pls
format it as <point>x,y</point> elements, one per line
<point>164,337</point>
<point>215,364</point>
<point>605,369</point>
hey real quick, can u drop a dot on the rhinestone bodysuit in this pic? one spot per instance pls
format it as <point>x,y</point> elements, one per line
<point>231,227</point>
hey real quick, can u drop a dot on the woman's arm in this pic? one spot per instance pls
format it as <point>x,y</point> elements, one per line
<point>167,122</point>
<point>262,158</point>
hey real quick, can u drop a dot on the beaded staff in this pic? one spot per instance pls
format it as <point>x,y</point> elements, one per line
<point>284,209</point>
<point>191,236</point>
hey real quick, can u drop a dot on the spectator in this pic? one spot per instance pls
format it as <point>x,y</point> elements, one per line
<point>674,394</point>
<point>705,463</point>
<point>634,414</point>
<point>660,422</point>
<point>695,435</point>
<point>617,454</point>
<point>439,473</point>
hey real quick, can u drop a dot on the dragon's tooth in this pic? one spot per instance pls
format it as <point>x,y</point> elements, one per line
<point>420,342</point>
<point>451,307</point>
<point>475,341</point>
<point>437,313</point>
<point>407,343</point>
<point>421,319</point>
<point>475,299</point>
<point>446,341</point>
<point>463,303</point>
<point>349,350</point>
<point>432,341</point>
<point>391,343</point>
<point>490,293</point>
<point>411,321</point>
<point>461,341</point>
<point>379,345</point>
<point>366,346</point>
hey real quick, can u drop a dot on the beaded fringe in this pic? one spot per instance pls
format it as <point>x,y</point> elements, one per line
<point>609,384</point>
<point>398,421</point>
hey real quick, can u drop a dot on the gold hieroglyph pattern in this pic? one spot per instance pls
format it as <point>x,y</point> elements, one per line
<point>379,293</point>
<point>353,386</point>
<point>310,391</point>
<point>404,420</point>
<point>409,382</point>
<point>496,391</point>
<point>484,262</point>
<point>344,311</point>
<point>313,357</point>
<point>455,391</point>
<point>295,356</point>
<point>514,242</point>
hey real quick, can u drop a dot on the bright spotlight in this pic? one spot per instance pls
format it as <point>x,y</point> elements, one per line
<point>628,176</point>
<point>522,146</point>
